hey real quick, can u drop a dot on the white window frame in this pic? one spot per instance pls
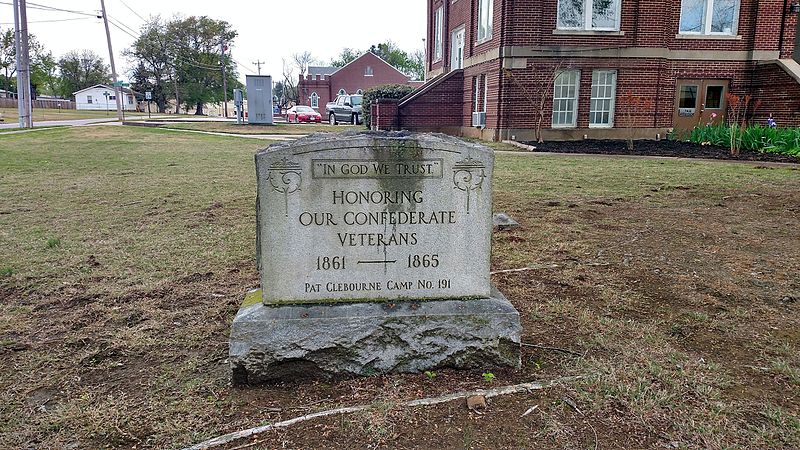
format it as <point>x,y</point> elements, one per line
<point>360,92</point>
<point>314,100</point>
<point>485,91</point>
<point>342,92</point>
<point>574,99</point>
<point>368,72</point>
<point>612,99</point>
<point>438,34</point>
<point>476,97</point>
<point>89,100</point>
<point>708,19</point>
<point>485,20</point>
<point>588,10</point>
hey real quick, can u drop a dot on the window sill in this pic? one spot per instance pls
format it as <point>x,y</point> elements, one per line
<point>602,127</point>
<point>727,37</point>
<point>483,41</point>
<point>588,33</point>
<point>564,127</point>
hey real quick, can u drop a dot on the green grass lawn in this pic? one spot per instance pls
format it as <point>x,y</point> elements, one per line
<point>125,252</point>
<point>278,128</point>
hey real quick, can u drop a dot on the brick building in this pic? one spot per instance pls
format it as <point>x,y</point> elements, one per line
<point>322,84</point>
<point>600,68</point>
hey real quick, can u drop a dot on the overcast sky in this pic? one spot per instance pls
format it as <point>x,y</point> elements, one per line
<point>268,30</point>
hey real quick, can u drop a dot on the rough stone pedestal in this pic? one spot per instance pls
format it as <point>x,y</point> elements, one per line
<point>320,341</point>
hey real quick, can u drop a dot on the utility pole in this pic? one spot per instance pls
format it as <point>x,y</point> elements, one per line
<point>20,78</point>
<point>258,64</point>
<point>24,104</point>
<point>224,77</point>
<point>117,89</point>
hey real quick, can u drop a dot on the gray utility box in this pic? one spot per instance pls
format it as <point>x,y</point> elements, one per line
<point>259,99</point>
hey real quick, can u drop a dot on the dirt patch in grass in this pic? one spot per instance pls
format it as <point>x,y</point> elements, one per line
<point>676,282</point>
<point>664,147</point>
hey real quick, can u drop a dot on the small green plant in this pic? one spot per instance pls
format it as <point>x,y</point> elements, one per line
<point>756,138</point>
<point>488,376</point>
<point>53,243</point>
<point>6,271</point>
<point>430,374</point>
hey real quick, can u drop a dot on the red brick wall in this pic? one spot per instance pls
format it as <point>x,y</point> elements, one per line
<point>462,12</point>
<point>441,106</point>
<point>649,23</point>
<point>384,114</point>
<point>309,84</point>
<point>645,24</point>
<point>779,94</point>
<point>351,78</point>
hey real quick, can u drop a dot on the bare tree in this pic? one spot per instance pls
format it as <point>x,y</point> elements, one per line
<point>302,61</point>
<point>293,71</point>
<point>539,92</point>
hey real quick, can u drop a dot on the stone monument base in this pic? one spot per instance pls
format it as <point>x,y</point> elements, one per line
<point>319,341</point>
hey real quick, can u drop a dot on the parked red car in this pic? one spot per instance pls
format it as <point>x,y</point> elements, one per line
<point>302,113</point>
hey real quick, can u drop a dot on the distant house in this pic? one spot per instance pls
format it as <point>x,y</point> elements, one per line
<point>322,84</point>
<point>101,97</point>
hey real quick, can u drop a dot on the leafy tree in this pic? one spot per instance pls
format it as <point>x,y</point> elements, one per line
<point>79,70</point>
<point>153,67</point>
<point>8,58</point>
<point>43,64</point>
<point>347,56</point>
<point>43,74</point>
<point>195,46</point>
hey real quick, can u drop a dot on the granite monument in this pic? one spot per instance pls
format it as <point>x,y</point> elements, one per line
<point>373,251</point>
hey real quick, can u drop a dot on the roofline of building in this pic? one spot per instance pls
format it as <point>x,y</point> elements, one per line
<point>124,90</point>
<point>379,59</point>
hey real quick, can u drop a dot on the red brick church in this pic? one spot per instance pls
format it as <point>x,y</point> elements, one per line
<point>498,69</point>
<point>322,84</point>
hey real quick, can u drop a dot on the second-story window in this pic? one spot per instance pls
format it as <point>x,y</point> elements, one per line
<point>595,15</point>
<point>368,71</point>
<point>485,17</point>
<point>709,16</point>
<point>437,33</point>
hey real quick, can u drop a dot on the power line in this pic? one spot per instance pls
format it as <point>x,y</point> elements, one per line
<point>52,8</point>
<point>123,30</point>
<point>249,69</point>
<point>196,64</point>
<point>47,21</point>
<point>131,9</point>
<point>119,22</point>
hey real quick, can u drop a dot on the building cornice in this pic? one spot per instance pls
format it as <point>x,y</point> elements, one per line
<point>509,54</point>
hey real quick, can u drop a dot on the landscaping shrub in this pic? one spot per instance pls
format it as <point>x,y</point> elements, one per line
<point>397,91</point>
<point>756,138</point>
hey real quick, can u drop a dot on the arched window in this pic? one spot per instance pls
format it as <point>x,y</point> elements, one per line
<point>342,92</point>
<point>359,92</point>
<point>314,100</point>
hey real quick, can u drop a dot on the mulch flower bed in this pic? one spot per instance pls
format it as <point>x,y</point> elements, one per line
<point>664,147</point>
